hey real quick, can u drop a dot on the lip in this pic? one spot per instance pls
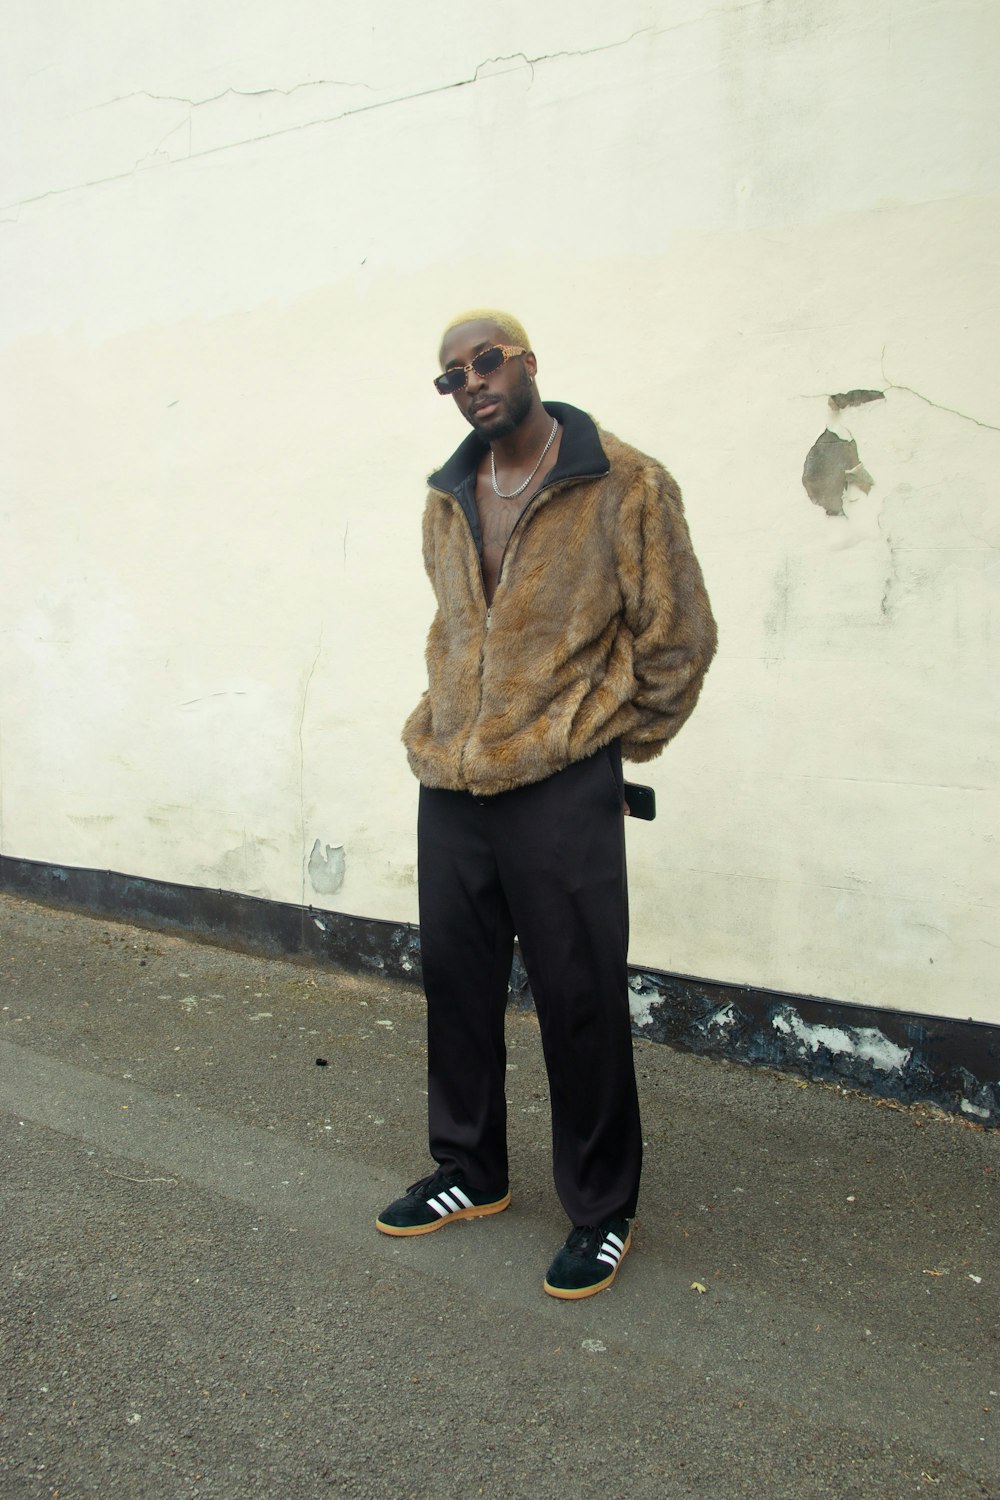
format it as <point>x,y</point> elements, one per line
<point>484,408</point>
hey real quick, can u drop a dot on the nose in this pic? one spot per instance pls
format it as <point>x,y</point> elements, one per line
<point>474,382</point>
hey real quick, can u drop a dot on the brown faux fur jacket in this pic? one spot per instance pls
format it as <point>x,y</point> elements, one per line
<point>600,626</point>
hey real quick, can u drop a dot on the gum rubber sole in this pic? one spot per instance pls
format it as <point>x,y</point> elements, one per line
<point>477,1211</point>
<point>568,1294</point>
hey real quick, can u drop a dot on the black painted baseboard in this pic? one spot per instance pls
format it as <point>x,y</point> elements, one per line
<point>893,1054</point>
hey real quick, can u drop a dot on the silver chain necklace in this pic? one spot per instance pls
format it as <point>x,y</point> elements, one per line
<point>522,487</point>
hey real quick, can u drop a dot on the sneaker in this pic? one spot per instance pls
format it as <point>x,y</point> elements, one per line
<point>436,1200</point>
<point>589,1260</point>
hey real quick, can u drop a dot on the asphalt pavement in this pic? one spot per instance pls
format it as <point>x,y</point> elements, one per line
<point>195,1302</point>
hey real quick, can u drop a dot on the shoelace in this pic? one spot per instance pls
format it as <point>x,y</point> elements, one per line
<point>585,1239</point>
<point>428,1186</point>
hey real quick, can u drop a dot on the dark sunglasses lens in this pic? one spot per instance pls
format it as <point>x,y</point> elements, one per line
<point>488,361</point>
<point>450,381</point>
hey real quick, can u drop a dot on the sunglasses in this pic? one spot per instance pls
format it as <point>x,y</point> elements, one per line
<point>484,363</point>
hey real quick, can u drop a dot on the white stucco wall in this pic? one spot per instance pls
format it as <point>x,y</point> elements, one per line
<point>229,238</point>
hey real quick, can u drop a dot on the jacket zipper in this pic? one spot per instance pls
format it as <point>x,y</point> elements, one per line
<point>555,485</point>
<point>503,559</point>
<point>530,507</point>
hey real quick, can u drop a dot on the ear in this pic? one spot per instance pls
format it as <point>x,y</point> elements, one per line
<point>531,364</point>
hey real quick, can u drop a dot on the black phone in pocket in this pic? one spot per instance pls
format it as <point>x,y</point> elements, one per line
<point>640,801</point>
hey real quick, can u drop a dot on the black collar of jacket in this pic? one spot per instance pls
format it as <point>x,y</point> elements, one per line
<point>580,454</point>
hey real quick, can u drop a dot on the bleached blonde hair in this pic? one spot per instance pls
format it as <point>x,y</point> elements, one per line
<point>511,328</point>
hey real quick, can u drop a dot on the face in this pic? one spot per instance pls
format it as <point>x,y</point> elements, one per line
<point>493,404</point>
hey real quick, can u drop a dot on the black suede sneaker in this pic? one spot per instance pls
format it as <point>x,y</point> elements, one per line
<point>589,1260</point>
<point>436,1200</point>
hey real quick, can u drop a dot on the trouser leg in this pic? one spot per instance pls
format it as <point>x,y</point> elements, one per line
<point>466,944</point>
<point>561,856</point>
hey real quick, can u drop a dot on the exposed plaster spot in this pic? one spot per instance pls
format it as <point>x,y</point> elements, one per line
<point>855,398</point>
<point>326,869</point>
<point>832,463</point>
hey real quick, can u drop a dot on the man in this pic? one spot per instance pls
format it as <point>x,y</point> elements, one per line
<point>572,628</point>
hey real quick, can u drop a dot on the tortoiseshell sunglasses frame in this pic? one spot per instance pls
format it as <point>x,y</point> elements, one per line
<point>509,351</point>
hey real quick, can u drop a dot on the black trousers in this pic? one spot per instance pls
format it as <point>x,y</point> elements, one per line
<point>545,862</point>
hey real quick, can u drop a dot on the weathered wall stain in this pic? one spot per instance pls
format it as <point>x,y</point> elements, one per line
<point>326,870</point>
<point>776,618</point>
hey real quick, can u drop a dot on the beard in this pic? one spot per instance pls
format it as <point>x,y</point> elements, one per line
<point>514,407</point>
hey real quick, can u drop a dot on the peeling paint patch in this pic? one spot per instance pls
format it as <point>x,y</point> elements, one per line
<point>640,1002</point>
<point>855,398</point>
<point>890,1054</point>
<point>832,464</point>
<point>973,1109</point>
<point>721,1020</point>
<point>327,869</point>
<point>863,1042</point>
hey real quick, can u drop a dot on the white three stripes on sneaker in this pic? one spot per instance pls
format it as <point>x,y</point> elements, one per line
<point>450,1202</point>
<point>612,1250</point>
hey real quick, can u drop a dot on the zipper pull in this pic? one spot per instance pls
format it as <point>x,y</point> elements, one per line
<point>489,615</point>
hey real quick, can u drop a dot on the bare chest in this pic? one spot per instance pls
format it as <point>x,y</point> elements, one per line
<point>498,517</point>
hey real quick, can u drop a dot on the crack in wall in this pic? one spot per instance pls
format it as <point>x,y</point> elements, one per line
<point>312,83</point>
<point>833,466</point>
<point>302,760</point>
<point>520,57</point>
<point>952,411</point>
